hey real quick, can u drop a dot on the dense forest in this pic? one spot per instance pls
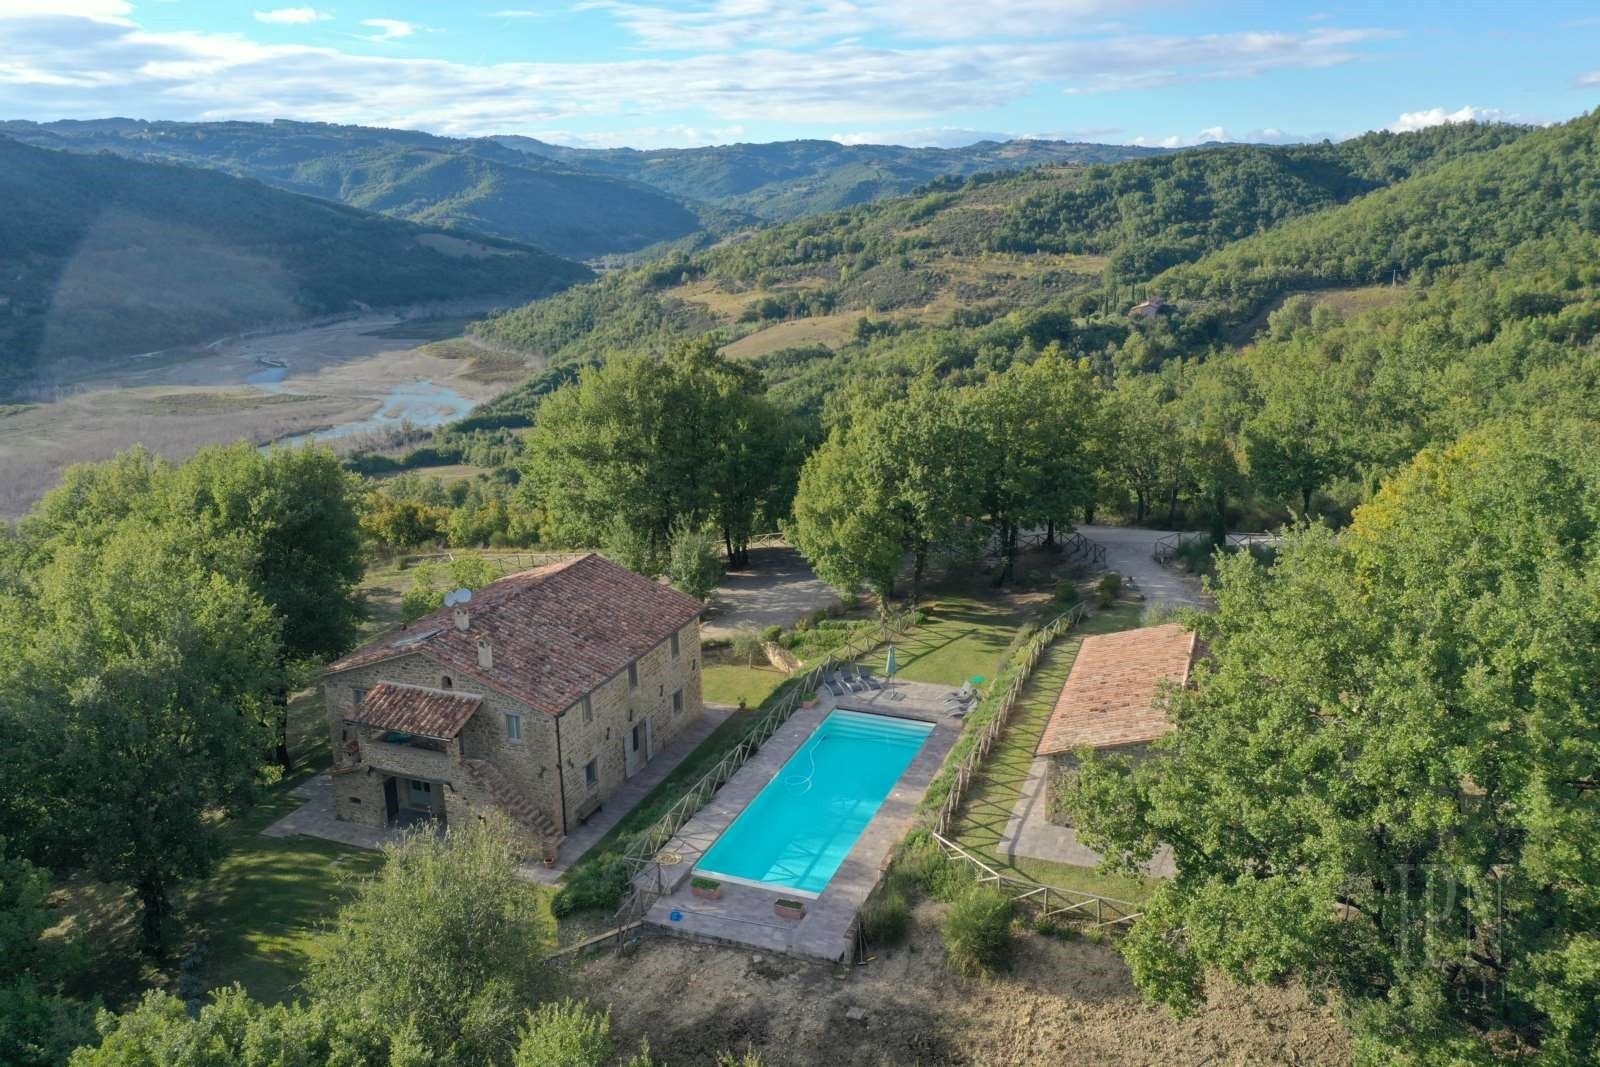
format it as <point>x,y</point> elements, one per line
<point>114,257</point>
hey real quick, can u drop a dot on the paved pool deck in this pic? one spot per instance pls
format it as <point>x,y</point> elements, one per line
<point>744,916</point>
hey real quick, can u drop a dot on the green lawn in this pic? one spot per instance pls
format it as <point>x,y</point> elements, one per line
<point>964,637</point>
<point>269,898</point>
<point>730,682</point>
<point>994,792</point>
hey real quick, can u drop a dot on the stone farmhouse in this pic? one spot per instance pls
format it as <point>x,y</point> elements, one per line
<point>539,696</point>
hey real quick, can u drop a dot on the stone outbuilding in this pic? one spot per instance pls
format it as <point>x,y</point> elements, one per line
<point>1110,700</point>
<point>538,696</point>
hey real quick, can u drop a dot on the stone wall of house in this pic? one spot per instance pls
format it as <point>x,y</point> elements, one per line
<point>531,762</point>
<point>617,707</point>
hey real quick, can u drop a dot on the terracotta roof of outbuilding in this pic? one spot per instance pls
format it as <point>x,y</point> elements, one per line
<point>1109,698</point>
<point>414,709</point>
<point>555,632</point>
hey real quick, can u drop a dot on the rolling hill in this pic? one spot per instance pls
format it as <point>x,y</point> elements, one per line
<point>474,185</point>
<point>1078,239</point>
<point>102,256</point>
<point>787,180</point>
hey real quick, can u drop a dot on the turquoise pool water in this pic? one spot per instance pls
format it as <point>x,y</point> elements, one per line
<point>797,830</point>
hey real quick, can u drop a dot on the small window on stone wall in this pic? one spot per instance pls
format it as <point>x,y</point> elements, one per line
<point>355,800</point>
<point>633,675</point>
<point>674,646</point>
<point>677,702</point>
<point>591,773</point>
<point>588,710</point>
<point>513,726</point>
<point>357,695</point>
<point>446,683</point>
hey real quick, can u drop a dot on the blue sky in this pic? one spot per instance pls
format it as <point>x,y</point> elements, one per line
<point>652,73</point>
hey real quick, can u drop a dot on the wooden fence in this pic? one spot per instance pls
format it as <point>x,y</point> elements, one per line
<point>1046,901</point>
<point>645,877</point>
<point>1165,548</point>
<point>967,769</point>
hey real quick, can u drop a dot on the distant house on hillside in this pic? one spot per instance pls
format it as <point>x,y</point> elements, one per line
<point>1109,702</point>
<point>1149,309</point>
<point>539,697</point>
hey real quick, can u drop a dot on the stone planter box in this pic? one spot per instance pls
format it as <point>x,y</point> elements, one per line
<point>704,891</point>
<point>789,909</point>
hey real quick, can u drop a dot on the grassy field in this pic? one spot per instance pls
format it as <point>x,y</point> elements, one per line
<point>726,680</point>
<point>831,330</point>
<point>995,791</point>
<point>963,638</point>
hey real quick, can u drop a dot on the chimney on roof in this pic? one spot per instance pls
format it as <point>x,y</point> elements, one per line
<point>485,653</point>
<point>458,599</point>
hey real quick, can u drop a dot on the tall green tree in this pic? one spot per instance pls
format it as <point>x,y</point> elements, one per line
<point>141,675</point>
<point>297,509</point>
<point>649,442</point>
<point>1385,783</point>
<point>1300,438</point>
<point>38,1026</point>
<point>1036,422</point>
<point>446,935</point>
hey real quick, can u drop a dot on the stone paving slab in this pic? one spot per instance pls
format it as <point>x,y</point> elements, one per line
<point>315,818</point>
<point>744,916</point>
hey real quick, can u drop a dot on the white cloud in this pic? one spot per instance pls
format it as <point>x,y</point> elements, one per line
<point>99,10</point>
<point>86,67</point>
<point>1591,78</point>
<point>389,29</point>
<point>936,137</point>
<point>717,24</point>
<point>518,13</point>
<point>645,137</point>
<point>292,16</point>
<point>1438,116</point>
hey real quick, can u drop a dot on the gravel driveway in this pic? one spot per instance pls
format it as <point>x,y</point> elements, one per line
<point>1128,552</point>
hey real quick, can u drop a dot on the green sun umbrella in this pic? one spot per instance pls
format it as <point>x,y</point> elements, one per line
<point>888,666</point>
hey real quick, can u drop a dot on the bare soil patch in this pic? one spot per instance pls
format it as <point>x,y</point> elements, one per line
<point>1064,1002</point>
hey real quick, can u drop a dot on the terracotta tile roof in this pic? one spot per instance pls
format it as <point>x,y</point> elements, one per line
<point>1110,696</point>
<point>555,632</point>
<point>414,709</point>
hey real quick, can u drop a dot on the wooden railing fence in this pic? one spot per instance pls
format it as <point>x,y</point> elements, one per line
<point>1047,901</point>
<point>967,769</point>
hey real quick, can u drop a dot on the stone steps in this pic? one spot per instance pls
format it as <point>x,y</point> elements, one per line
<point>510,798</point>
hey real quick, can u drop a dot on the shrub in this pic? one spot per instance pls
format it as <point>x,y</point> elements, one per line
<point>565,1034</point>
<point>1195,555</point>
<point>849,601</point>
<point>1157,612</point>
<point>693,565</point>
<point>592,887</point>
<point>818,615</point>
<point>921,863</point>
<point>802,624</point>
<point>1108,588</point>
<point>771,633</point>
<point>705,883</point>
<point>747,646</point>
<point>977,932</point>
<point>1067,593</point>
<point>786,641</point>
<point>887,917</point>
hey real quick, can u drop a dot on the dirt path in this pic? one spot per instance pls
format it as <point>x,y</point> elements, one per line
<point>1065,1002</point>
<point>1128,552</point>
<point>774,590</point>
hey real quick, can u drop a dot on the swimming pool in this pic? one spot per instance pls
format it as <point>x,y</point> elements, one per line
<point>798,830</point>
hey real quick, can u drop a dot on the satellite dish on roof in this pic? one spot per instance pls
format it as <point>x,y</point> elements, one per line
<point>458,596</point>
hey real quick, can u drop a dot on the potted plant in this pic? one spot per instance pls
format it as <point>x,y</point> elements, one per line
<point>785,908</point>
<point>549,856</point>
<point>810,700</point>
<point>706,888</point>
